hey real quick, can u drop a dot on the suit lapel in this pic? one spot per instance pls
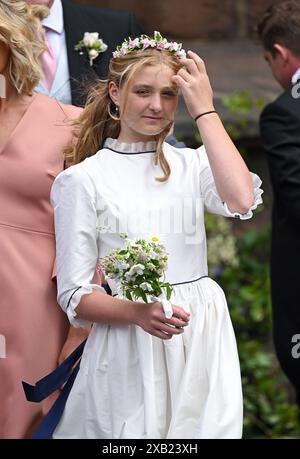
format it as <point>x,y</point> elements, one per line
<point>71,34</point>
<point>112,26</point>
<point>76,22</point>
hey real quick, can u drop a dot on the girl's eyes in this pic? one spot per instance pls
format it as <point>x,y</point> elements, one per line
<point>144,92</point>
<point>169,94</point>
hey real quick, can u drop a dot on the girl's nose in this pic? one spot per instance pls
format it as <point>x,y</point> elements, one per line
<point>155,103</point>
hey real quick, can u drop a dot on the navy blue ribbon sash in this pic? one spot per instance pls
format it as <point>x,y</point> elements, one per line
<point>49,423</point>
<point>50,383</point>
<point>54,380</point>
<point>47,385</point>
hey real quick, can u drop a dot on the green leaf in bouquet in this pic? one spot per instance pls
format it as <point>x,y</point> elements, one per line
<point>143,296</point>
<point>128,295</point>
<point>169,291</point>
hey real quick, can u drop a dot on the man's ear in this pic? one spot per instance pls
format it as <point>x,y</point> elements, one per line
<point>282,51</point>
<point>113,91</point>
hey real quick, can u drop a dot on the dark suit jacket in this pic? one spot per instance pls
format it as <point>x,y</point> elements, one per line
<point>280,131</point>
<point>113,27</point>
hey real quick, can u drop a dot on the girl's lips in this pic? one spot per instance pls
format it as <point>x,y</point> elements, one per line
<point>152,117</point>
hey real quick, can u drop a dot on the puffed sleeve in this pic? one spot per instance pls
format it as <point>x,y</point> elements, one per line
<point>212,200</point>
<point>73,197</point>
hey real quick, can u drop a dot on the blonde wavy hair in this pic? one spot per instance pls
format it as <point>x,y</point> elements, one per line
<point>21,31</point>
<point>98,120</point>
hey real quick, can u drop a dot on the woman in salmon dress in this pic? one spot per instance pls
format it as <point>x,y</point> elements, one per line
<point>33,132</point>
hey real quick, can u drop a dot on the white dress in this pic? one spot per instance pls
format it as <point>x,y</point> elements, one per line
<point>131,384</point>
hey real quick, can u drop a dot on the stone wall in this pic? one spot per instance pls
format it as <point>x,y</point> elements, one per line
<point>193,19</point>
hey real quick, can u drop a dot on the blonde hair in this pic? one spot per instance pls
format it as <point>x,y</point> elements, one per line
<point>21,31</point>
<point>97,122</point>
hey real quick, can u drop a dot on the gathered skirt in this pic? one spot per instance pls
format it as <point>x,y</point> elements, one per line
<point>134,385</point>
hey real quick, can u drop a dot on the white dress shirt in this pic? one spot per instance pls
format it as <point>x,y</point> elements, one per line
<point>61,89</point>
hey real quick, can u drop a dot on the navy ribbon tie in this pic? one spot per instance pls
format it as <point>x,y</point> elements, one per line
<point>50,383</point>
<point>107,289</point>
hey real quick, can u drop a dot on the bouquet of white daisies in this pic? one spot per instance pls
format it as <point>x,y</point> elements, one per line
<point>138,268</point>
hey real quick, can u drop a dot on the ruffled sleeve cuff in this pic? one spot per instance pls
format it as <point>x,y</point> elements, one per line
<point>256,181</point>
<point>75,300</point>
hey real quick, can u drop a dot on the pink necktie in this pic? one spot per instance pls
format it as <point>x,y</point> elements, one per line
<point>48,62</point>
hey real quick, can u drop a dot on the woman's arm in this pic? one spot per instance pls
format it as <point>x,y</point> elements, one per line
<point>75,337</point>
<point>231,175</point>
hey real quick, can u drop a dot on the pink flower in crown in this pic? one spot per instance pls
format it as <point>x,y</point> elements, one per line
<point>160,45</point>
<point>133,43</point>
<point>146,42</point>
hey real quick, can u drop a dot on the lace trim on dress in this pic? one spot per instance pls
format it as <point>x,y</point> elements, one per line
<point>133,148</point>
<point>256,182</point>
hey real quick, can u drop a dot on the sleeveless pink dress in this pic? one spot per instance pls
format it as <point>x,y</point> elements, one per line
<point>33,327</point>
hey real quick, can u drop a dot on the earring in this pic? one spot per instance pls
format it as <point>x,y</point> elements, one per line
<point>115,114</point>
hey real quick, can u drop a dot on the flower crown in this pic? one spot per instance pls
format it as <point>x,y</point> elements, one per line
<point>144,42</point>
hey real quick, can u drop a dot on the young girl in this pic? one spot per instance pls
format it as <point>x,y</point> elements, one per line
<point>143,375</point>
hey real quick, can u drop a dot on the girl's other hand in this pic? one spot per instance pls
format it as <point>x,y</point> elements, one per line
<point>151,317</point>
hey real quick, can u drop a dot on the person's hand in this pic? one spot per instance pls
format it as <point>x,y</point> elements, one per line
<point>194,84</point>
<point>75,337</point>
<point>151,318</point>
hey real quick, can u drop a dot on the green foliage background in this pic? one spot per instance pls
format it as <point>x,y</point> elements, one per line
<point>240,264</point>
<point>268,411</point>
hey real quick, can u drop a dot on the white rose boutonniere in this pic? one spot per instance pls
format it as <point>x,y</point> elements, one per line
<point>92,44</point>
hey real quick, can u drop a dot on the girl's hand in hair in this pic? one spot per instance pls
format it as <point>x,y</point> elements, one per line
<point>194,84</point>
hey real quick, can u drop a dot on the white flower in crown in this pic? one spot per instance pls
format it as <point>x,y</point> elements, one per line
<point>92,44</point>
<point>143,42</point>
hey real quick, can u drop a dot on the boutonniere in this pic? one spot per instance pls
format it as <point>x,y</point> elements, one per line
<point>92,44</point>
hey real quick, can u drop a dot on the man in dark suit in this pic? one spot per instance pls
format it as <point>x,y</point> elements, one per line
<point>65,27</point>
<point>279,32</point>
